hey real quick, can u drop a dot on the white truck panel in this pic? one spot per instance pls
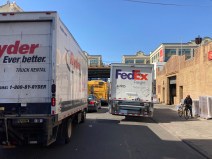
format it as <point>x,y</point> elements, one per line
<point>131,90</point>
<point>130,85</point>
<point>71,71</point>
<point>25,61</point>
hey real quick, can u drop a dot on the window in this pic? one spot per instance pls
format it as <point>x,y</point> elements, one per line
<point>139,61</point>
<point>169,53</point>
<point>186,52</point>
<point>93,61</point>
<point>129,61</point>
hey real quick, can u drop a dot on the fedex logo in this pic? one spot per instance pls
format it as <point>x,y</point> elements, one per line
<point>135,75</point>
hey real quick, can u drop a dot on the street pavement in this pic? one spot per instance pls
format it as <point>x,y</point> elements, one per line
<point>106,136</point>
<point>195,132</point>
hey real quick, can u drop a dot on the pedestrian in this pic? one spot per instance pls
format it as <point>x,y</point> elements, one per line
<point>188,104</point>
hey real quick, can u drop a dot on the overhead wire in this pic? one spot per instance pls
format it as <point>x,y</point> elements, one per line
<point>167,4</point>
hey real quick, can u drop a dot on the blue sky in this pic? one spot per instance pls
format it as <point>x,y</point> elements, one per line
<point>113,28</point>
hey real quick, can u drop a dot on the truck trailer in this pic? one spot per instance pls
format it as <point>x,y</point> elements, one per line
<point>43,79</point>
<point>131,90</point>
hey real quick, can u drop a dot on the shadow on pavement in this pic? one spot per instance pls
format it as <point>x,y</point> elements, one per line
<point>96,139</point>
<point>100,111</point>
<point>165,115</point>
<point>138,119</point>
<point>103,110</point>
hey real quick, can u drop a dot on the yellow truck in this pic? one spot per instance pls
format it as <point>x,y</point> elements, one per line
<point>100,89</point>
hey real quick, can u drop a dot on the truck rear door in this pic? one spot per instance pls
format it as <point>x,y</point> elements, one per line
<point>132,82</point>
<point>25,60</point>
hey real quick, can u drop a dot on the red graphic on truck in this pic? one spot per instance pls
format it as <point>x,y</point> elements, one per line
<point>18,48</point>
<point>22,49</point>
<point>73,61</point>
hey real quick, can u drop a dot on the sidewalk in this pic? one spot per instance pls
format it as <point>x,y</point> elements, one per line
<point>195,132</point>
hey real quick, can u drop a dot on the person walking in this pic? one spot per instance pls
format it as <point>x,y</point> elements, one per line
<point>188,104</point>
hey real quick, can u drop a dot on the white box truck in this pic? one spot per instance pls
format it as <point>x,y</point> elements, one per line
<point>131,90</point>
<point>43,79</point>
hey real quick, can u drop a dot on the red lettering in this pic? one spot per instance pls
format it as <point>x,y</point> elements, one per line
<point>24,49</point>
<point>13,49</point>
<point>136,75</point>
<point>33,47</point>
<point>2,49</point>
<point>139,76</point>
<point>18,48</point>
<point>144,76</point>
<point>74,62</point>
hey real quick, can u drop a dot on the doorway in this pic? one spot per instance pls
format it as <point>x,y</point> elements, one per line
<point>172,89</point>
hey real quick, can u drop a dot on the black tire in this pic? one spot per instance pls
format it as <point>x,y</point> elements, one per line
<point>68,131</point>
<point>186,113</point>
<point>180,111</point>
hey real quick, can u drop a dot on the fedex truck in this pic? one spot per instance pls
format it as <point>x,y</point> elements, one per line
<point>131,90</point>
<point>43,79</point>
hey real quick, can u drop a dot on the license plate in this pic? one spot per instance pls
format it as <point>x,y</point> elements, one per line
<point>23,121</point>
<point>124,111</point>
<point>1,108</point>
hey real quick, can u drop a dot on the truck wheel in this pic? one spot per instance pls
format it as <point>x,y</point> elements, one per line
<point>68,131</point>
<point>83,116</point>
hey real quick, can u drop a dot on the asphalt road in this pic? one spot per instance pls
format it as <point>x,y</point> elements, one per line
<point>104,136</point>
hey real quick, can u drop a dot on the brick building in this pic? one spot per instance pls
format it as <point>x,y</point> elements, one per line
<point>166,50</point>
<point>180,77</point>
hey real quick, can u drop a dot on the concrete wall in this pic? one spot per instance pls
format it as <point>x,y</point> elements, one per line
<point>193,76</point>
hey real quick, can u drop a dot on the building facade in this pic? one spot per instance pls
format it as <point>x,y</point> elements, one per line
<point>181,76</point>
<point>10,7</point>
<point>94,60</point>
<point>166,50</point>
<point>139,58</point>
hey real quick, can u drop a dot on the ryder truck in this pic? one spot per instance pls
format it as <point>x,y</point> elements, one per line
<point>43,79</point>
<point>131,90</point>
